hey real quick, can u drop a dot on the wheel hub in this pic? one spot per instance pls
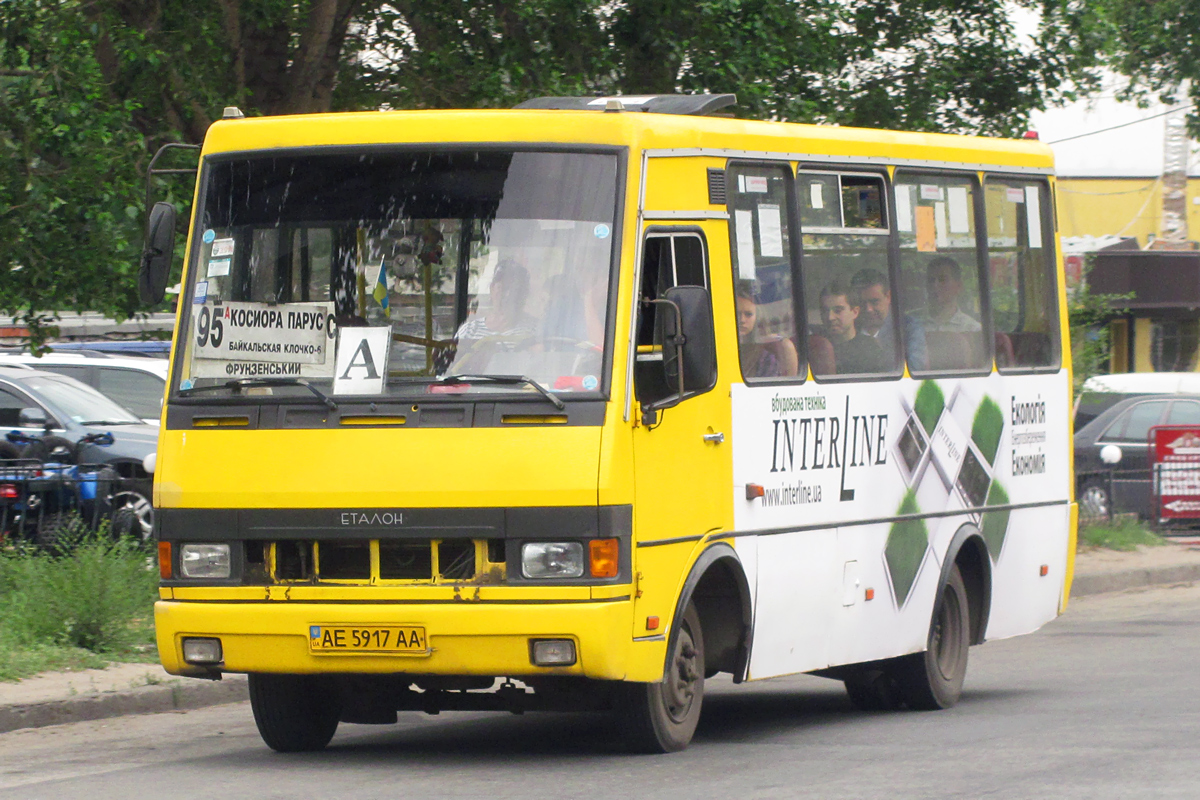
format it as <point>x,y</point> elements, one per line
<point>679,689</point>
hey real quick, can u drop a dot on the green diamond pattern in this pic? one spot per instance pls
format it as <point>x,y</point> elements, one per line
<point>906,544</point>
<point>995,523</point>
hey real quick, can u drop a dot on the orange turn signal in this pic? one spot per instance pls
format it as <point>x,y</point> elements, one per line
<point>754,490</point>
<point>651,623</point>
<point>1045,570</point>
<point>164,560</point>
<point>870,594</point>
<point>603,554</point>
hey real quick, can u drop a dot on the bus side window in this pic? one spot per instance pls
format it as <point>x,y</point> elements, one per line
<point>761,252</point>
<point>940,270</point>
<point>669,258</point>
<point>847,291</point>
<point>1023,293</point>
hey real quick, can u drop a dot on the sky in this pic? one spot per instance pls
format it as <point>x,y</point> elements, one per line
<point>1133,150</point>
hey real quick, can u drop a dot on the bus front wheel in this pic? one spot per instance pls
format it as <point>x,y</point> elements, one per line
<point>662,717</point>
<point>934,679</point>
<point>294,713</point>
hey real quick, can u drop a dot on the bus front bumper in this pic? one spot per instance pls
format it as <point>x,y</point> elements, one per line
<point>461,639</point>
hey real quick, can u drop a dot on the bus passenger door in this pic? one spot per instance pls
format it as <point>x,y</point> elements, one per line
<point>682,463</point>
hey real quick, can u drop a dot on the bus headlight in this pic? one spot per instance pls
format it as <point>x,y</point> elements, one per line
<point>552,560</point>
<point>204,560</point>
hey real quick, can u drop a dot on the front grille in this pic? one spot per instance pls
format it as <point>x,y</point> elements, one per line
<point>374,562</point>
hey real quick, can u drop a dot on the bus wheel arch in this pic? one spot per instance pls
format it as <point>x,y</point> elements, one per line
<point>718,589</point>
<point>969,553</point>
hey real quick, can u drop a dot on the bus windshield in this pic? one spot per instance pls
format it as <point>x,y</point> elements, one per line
<point>462,262</point>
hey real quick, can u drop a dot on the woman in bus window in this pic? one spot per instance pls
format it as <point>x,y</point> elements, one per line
<point>771,357</point>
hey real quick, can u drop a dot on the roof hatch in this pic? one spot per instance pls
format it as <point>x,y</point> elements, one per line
<point>687,104</point>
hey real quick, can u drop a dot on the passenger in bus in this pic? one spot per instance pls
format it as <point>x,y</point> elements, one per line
<point>503,326</point>
<point>853,353</point>
<point>875,318</point>
<point>769,356</point>
<point>944,286</point>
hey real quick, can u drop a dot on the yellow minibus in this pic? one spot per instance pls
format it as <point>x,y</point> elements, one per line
<point>579,404</point>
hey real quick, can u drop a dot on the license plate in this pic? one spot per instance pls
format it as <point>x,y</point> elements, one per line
<point>334,639</point>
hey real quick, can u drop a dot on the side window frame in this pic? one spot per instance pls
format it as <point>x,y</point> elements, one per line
<point>1049,217</point>
<point>792,220</point>
<point>888,232</point>
<point>670,232</point>
<point>981,265</point>
<point>1108,437</point>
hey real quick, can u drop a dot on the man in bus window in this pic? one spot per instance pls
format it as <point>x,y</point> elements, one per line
<point>502,326</point>
<point>875,318</point>
<point>853,354</point>
<point>944,286</point>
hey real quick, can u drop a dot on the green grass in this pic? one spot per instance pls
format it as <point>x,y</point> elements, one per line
<point>82,605</point>
<point>1120,534</point>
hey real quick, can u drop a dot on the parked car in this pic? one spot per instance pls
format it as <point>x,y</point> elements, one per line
<point>1125,486</point>
<point>55,419</point>
<point>1101,392</point>
<point>137,383</point>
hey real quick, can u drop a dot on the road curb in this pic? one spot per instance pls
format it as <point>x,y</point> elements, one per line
<point>181,695</point>
<point>175,695</point>
<point>1117,581</point>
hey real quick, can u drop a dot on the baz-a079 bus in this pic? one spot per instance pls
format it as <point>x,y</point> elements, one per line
<point>578,404</point>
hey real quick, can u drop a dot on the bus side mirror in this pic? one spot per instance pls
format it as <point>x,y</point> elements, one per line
<point>156,255</point>
<point>689,347</point>
<point>690,359</point>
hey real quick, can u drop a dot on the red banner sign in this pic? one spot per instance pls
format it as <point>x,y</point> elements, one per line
<point>1175,458</point>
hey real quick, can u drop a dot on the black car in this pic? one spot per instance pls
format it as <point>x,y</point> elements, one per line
<point>50,418</point>
<point>1126,485</point>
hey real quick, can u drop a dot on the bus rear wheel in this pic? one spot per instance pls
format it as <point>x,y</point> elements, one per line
<point>933,679</point>
<point>662,717</point>
<point>294,713</point>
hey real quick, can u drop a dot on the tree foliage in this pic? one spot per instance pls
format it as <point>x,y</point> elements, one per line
<point>1155,43</point>
<point>90,88</point>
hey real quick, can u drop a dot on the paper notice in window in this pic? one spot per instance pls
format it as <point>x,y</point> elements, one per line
<point>770,233</point>
<point>939,220</point>
<point>743,224</point>
<point>904,213</point>
<point>756,184</point>
<point>960,219</point>
<point>1033,216</point>
<point>926,241</point>
<point>816,197</point>
<point>931,191</point>
<point>1015,195</point>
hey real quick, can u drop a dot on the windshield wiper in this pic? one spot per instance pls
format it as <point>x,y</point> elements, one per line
<point>241,383</point>
<point>513,379</point>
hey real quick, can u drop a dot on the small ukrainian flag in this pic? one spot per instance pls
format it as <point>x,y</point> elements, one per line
<point>380,292</point>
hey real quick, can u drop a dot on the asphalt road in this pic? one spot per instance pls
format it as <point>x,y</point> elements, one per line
<point>1103,702</point>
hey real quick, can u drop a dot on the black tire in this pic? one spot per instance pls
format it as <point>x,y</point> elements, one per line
<point>873,690</point>
<point>932,680</point>
<point>52,449</point>
<point>131,509</point>
<point>294,713</point>
<point>51,528</point>
<point>662,717</point>
<point>1095,501</point>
